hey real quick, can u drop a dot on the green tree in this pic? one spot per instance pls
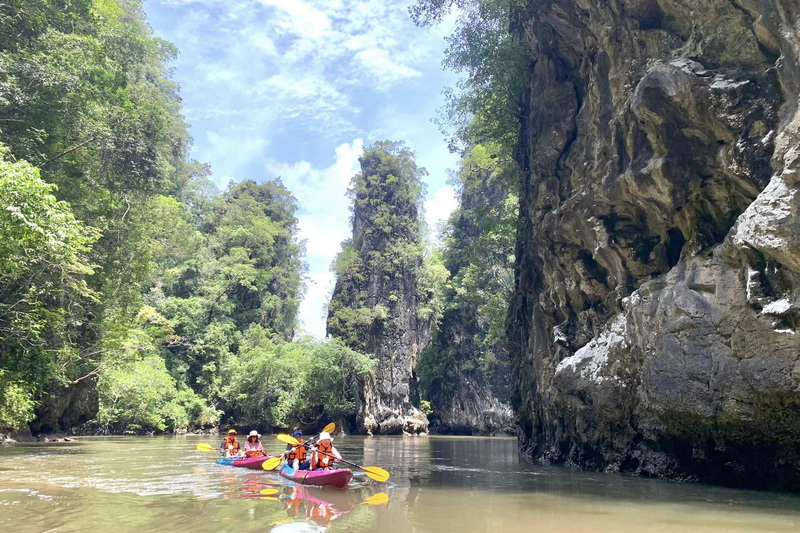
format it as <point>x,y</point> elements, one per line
<point>484,107</point>
<point>136,391</point>
<point>43,291</point>
<point>225,263</point>
<point>85,96</point>
<point>276,384</point>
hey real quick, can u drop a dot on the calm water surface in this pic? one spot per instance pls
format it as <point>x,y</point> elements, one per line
<point>438,484</point>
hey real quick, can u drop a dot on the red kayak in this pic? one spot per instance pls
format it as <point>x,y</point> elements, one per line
<point>338,477</point>
<point>253,463</point>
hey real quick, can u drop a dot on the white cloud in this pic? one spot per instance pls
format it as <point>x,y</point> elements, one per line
<point>351,42</point>
<point>439,207</point>
<point>280,88</point>
<point>324,222</point>
<point>385,69</point>
<point>319,287</point>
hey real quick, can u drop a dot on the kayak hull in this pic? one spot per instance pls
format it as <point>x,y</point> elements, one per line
<point>253,463</point>
<point>338,478</point>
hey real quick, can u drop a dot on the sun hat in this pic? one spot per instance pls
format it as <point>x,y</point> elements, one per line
<point>254,433</point>
<point>325,436</point>
<point>297,432</point>
<point>232,431</point>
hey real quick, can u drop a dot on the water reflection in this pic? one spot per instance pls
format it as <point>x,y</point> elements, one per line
<point>469,485</point>
<point>317,505</point>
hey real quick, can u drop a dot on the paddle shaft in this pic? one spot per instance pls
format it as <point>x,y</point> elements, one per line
<point>342,460</point>
<point>330,428</point>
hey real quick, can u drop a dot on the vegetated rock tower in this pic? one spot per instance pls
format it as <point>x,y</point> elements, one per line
<point>466,374</point>
<point>375,304</point>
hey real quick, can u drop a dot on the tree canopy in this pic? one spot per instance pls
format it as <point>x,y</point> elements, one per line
<point>123,270</point>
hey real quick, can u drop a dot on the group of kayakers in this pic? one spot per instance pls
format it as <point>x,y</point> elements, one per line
<point>322,453</point>
<point>252,448</point>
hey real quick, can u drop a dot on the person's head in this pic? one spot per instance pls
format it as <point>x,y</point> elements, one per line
<point>231,432</point>
<point>325,436</point>
<point>253,436</point>
<point>297,433</point>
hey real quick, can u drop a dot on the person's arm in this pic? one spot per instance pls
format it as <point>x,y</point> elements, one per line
<point>336,453</point>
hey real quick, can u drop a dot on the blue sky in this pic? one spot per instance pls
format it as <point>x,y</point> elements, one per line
<point>294,89</point>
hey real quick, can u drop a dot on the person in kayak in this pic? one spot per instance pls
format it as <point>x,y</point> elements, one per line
<point>324,454</point>
<point>230,444</point>
<point>296,455</point>
<point>253,446</point>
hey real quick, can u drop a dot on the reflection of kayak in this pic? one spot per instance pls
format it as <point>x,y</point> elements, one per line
<point>339,500</point>
<point>338,477</point>
<point>252,462</point>
<point>320,505</point>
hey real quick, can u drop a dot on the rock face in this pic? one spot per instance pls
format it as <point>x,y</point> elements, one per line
<point>658,285</point>
<point>472,395</point>
<point>374,307</point>
<point>66,407</point>
<point>468,401</point>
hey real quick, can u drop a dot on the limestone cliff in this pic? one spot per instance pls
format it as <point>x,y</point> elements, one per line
<point>466,375</point>
<point>658,285</point>
<point>375,303</point>
<point>470,401</point>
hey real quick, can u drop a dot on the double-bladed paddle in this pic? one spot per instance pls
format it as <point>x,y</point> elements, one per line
<point>274,462</point>
<point>378,474</point>
<point>330,428</point>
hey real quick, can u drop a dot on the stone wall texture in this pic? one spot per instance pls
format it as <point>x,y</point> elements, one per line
<point>655,321</point>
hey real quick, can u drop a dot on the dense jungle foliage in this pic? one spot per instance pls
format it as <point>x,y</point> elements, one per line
<point>136,294</point>
<point>124,273</point>
<point>478,254</point>
<point>478,250</point>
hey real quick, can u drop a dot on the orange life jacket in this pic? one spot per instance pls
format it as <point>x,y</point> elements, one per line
<point>298,452</point>
<point>324,461</point>
<point>231,444</point>
<point>255,453</point>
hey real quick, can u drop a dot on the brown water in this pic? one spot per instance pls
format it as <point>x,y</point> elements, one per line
<point>438,484</point>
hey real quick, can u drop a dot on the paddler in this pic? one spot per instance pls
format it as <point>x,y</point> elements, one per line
<point>324,454</point>
<point>296,454</point>
<point>253,446</point>
<point>230,444</point>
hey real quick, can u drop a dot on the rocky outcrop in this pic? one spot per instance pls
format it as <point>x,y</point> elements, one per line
<point>469,400</point>
<point>65,407</point>
<point>658,284</point>
<point>375,303</point>
<point>469,375</point>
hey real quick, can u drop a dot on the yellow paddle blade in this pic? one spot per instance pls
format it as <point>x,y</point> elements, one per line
<point>378,474</point>
<point>269,492</point>
<point>272,498</point>
<point>377,499</point>
<point>288,439</point>
<point>271,463</point>
<point>203,447</point>
<point>330,428</point>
